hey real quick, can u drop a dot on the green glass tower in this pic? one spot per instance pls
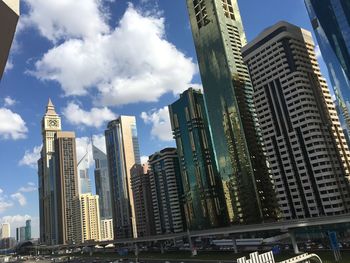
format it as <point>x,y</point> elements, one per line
<point>218,35</point>
<point>203,194</point>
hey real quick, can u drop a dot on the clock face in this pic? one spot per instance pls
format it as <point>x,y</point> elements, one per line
<point>53,123</point>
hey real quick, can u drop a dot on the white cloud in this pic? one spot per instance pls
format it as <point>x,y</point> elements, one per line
<point>20,198</point>
<point>8,101</point>
<point>131,63</point>
<point>58,20</point>
<point>96,117</point>
<point>31,157</point>
<point>4,205</point>
<point>30,187</point>
<point>144,159</point>
<point>160,121</point>
<point>4,202</point>
<point>9,65</point>
<point>12,126</point>
<point>318,52</point>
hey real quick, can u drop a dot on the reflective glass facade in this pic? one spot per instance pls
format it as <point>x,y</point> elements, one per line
<point>102,183</point>
<point>203,197</point>
<point>331,22</point>
<point>218,35</point>
<point>123,152</point>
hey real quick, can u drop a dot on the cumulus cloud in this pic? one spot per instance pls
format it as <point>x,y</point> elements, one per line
<point>96,117</point>
<point>144,159</point>
<point>12,125</point>
<point>9,65</point>
<point>31,157</point>
<point>160,121</point>
<point>30,187</point>
<point>8,101</point>
<point>20,198</point>
<point>58,20</point>
<point>130,63</point>
<point>5,203</point>
<point>318,52</point>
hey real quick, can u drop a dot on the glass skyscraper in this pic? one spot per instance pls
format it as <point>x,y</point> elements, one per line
<point>218,35</point>
<point>331,22</point>
<point>123,152</point>
<point>102,182</point>
<point>203,197</point>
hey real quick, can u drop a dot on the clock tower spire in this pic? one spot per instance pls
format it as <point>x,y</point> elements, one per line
<point>50,125</point>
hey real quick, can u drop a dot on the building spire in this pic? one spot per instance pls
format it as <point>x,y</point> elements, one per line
<point>50,108</point>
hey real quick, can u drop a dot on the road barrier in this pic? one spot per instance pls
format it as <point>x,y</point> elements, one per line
<point>269,258</point>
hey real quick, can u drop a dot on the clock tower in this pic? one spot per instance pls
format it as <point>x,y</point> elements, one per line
<point>50,125</point>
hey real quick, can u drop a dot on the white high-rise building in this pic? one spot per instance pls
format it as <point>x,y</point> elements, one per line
<point>5,230</point>
<point>107,229</point>
<point>305,144</point>
<point>87,216</point>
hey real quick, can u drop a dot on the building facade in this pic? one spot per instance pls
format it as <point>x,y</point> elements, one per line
<point>102,182</point>
<point>141,188</point>
<point>50,125</point>
<point>331,23</point>
<point>204,202</point>
<point>66,186</point>
<point>28,230</point>
<point>9,15</point>
<point>305,144</point>
<point>5,230</point>
<point>219,36</point>
<point>87,218</point>
<point>21,234</point>
<point>123,152</point>
<point>166,187</point>
<point>84,182</point>
<point>107,229</point>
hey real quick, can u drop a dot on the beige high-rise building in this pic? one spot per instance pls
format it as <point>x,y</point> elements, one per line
<point>66,185</point>
<point>305,144</point>
<point>87,218</point>
<point>9,14</point>
<point>50,125</point>
<point>107,229</point>
<point>5,230</point>
<point>123,152</point>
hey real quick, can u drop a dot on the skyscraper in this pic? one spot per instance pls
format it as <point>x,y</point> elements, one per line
<point>167,191</point>
<point>9,14</point>
<point>102,182</point>
<point>123,152</point>
<point>50,125</point>
<point>28,230</point>
<point>219,36</point>
<point>21,234</point>
<point>66,186</point>
<point>305,144</point>
<point>84,183</point>
<point>331,23</point>
<point>107,229</point>
<point>141,188</point>
<point>87,218</point>
<point>5,230</point>
<point>204,203</point>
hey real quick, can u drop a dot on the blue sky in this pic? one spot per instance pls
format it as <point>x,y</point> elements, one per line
<point>97,59</point>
